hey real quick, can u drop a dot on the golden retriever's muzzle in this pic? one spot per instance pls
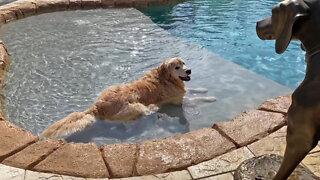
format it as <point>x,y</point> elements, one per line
<point>186,78</point>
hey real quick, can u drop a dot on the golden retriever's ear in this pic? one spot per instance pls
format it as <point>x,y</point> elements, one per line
<point>290,12</point>
<point>164,71</point>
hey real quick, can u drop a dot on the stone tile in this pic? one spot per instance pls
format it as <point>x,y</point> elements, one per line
<point>27,8</point>
<point>75,4</point>
<point>46,6</point>
<point>312,162</point>
<point>120,158</point>
<point>316,149</point>
<point>227,176</point>
<point>8,15</point>
<point>108,3</point>
<point>31,175</point>
<point>124,3</point>
<point>303,173</point>
<point>176,175</point>
<point>141,3</point>
<point>251,126</point>
<point>275,143</point>
<point>221,164</point>
<point>279,104</point>
<point>177,152</point>
<point>33,154</point>
<point>12,7</point>
<point>2,118</point>
<point>91,4</point>
<point>4,64</point>
<point>11,173</point>
<point>13,139</point>
<point>2,20</point>
<point>75,159</point>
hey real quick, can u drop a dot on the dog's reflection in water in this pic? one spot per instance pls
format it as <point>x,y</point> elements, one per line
<point>169,120</point>
<point>156,125</point>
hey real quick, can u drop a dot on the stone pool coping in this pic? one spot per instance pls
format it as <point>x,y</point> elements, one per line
<point>21,149</point>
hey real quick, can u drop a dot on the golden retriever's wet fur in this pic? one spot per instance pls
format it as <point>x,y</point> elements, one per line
<point>129,101</point>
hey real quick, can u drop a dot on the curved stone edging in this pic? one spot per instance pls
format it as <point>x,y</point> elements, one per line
<point>24,8</point>
<point>19,148</point>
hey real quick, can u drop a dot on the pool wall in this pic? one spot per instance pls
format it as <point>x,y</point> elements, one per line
<point>20,148</point>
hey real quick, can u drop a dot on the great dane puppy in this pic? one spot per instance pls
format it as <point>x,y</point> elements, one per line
<point>298,20</point>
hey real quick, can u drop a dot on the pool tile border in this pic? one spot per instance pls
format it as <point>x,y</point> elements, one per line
<point>120,159</point>
<point>24,8</point>
<point>179,152</point>
<point>33,154</point>
<point>125,160</point>
<point>75,159</point>
<point>13,139</point>
<point>251,126</point>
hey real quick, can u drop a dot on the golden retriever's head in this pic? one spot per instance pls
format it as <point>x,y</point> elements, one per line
<point>175,68</point>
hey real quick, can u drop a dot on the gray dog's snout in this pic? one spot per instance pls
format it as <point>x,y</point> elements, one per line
<point>264,29</point>
<point>188,71</point>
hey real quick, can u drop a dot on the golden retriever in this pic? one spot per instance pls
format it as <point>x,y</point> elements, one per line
<point>161,85</point>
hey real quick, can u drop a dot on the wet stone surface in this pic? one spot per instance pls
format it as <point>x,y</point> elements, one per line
<point>265,167</point>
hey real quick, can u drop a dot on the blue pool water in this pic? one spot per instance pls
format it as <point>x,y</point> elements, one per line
<point>227,28</point>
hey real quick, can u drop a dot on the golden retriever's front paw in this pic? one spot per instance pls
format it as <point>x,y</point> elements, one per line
<point>199,100</point>
<point>208,99</point>
<point>153,107</point>
<point>197,90</point>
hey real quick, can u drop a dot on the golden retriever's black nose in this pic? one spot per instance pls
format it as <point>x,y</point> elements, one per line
<point>188,71</point>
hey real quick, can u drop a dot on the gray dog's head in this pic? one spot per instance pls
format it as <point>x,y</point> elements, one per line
<point>287,17</point>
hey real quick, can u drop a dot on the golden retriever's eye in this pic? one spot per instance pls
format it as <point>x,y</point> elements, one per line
<point>177,67</point>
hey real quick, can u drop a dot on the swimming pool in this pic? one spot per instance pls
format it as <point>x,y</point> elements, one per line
<point>227,28</point>
<point>61,62</point>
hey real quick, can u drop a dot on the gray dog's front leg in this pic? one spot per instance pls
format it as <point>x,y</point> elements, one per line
<point>300,140</point>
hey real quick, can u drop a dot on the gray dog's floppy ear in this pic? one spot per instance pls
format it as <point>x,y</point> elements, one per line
<point>292,10</point>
